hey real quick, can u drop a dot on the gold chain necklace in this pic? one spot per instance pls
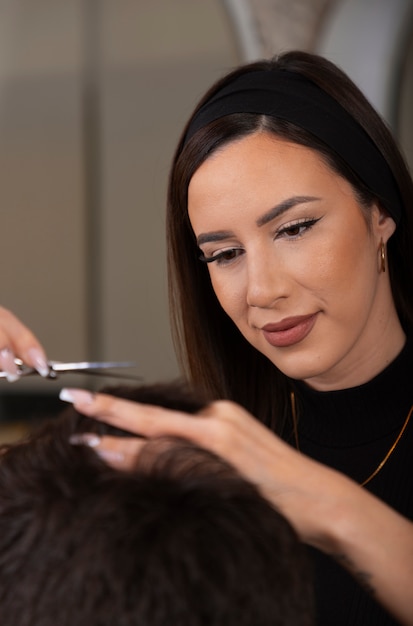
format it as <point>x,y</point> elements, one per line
<point>382,462</point>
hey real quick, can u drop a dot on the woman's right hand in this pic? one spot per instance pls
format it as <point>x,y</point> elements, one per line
<point>16,340</point>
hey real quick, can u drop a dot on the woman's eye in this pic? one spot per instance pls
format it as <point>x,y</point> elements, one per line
<point>293,231</point>
<point>297,229</point>
<point>221,258</point>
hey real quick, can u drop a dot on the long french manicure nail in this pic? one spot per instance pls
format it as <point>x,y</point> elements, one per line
<point>76,396</point>
<point>39,362</point>
<point>92,441</point>
<point>85,439</point>
<point>8,365</point>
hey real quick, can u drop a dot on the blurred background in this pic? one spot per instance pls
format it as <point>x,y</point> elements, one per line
<point>93,97</point>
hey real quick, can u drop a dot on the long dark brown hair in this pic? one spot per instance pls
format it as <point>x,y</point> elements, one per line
<point>212,352</point>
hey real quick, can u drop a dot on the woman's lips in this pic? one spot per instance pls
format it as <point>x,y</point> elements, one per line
<point>289,331</point>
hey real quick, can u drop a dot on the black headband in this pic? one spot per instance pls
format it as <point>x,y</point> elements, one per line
<point>294,98</point>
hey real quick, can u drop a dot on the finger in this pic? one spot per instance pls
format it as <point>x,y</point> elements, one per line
<point>15,336</point>
<point>118,452</point>
<point>8,365</point>
<point>140,419</point>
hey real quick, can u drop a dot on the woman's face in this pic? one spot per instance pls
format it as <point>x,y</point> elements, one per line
<point>294,263</point>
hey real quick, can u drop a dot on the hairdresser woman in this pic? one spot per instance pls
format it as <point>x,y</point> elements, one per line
<point>290,261</point>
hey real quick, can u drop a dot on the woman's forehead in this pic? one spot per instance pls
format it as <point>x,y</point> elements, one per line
<point>246,165</point>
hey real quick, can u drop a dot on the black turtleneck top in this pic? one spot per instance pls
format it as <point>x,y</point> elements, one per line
<point>352,430</point>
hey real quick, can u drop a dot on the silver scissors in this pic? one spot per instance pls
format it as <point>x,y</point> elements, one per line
<point>96,368</point>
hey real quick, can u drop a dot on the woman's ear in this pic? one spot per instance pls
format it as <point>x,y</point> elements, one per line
<point>383,226</point>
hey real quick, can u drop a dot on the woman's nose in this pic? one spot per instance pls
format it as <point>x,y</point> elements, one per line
<point>266,282</point>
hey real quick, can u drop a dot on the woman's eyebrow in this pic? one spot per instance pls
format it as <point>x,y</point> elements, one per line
<point>282,207</point>
<point>219,235</point>
<point>279,209</point>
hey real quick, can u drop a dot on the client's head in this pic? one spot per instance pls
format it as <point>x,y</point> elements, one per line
<point>182,540</point>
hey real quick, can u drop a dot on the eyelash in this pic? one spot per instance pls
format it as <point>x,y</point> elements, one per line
<point>305,224</point>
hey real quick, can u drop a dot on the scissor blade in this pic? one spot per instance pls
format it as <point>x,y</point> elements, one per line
<point>106,374</point>
<point>86,367</point>
<point>77,366</point>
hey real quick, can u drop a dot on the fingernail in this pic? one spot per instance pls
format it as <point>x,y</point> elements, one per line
<point>76,396</point>
<point>39,362</point>
<point>8,365</point>
<point>85,439</point>
<point>92,441</point>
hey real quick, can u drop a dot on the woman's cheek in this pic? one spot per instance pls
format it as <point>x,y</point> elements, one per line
<point>228,292</point>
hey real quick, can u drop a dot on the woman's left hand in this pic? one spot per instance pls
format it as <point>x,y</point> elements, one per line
<point>327,509</point>
<point>287,478</point>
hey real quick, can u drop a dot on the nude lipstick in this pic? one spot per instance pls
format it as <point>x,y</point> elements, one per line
<point>289,331</point>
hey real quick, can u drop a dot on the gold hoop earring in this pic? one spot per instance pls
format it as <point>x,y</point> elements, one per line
<point>382,256</point>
